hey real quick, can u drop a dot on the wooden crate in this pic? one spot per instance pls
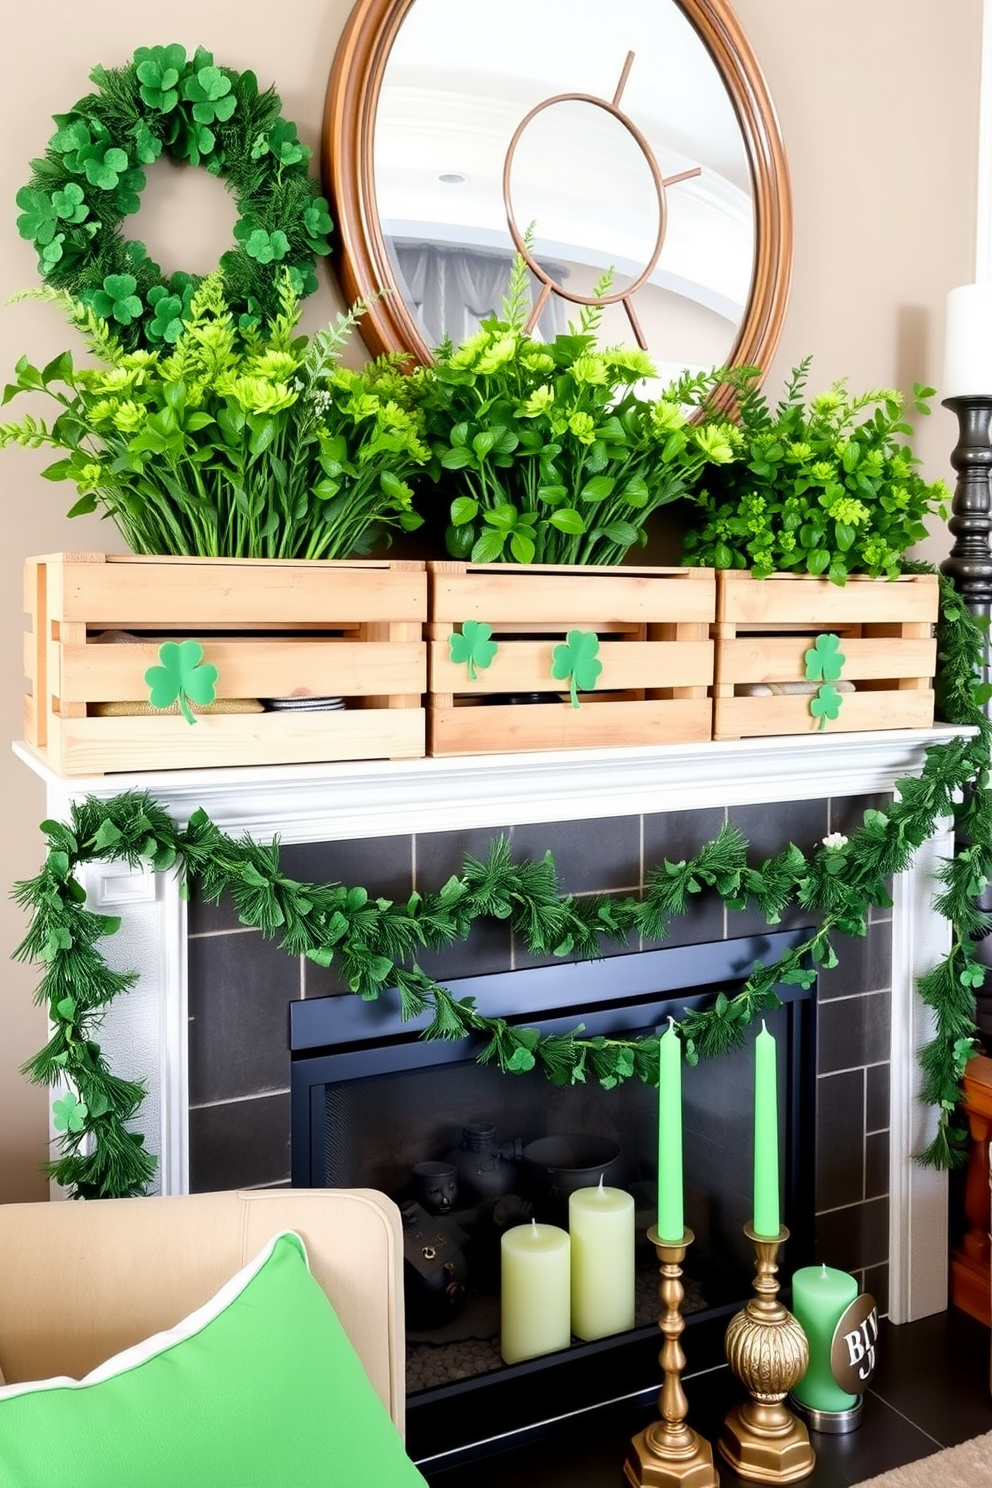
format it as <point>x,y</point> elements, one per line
<point>273,629</point>
<point>764,628</point>
<point>655,648</point>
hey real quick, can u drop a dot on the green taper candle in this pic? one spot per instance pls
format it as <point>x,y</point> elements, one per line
<point>766,1219</point>
<point>820,1295</point>
<point>670,1220</point>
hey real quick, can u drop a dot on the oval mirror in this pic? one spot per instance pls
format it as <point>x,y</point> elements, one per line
<point>642,155</point>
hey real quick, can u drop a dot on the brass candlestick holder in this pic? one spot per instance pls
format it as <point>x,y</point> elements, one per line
<point>767,1350</point>
<point>668,1453</point>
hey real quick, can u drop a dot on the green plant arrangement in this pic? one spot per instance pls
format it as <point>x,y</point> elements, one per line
<point>91,176</point>
<point>828,488</point>
<point>375,942</point>
<point>244,444</point>
<point>545,452</point>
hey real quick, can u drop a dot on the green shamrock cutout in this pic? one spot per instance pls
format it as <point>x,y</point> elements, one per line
<point>168,320</point>
<point>473,647</point>
<point>824,663</point>
<point>825,703</point>
<point>210,94</point>
<point>317,224</point>
<point>576,662</point>
<point>69,204</point>
<point>69,1113</point>
<point>181,677</point>
<point>824,659</point>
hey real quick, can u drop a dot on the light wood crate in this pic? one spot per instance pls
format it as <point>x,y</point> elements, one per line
<point>653,626</point>
<point>764,628</point>
<point>273,629</point>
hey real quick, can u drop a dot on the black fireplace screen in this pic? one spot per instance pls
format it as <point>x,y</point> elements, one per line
<point>468,1152</point>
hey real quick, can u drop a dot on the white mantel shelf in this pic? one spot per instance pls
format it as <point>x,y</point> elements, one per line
<point>319,803</point>
<point>144,1034</point>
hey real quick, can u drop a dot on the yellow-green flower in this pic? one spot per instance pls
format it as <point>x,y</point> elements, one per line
<point>89,477</point>
<point>666,416</point>
<point>589,369</point>
<point>582,426</point>
<point>538,361</point>
<point>102,411</point>
<point>275,366</point>
<point>129,416</point>
<point>255,395</point>
<point>498,354</point>
<point>715,443</point>
<point>539,401</point>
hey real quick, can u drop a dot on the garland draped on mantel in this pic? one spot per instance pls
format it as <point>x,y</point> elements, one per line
<point>374,942</point>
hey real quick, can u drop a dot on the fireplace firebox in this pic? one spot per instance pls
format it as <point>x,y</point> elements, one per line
<point>372,1103</point>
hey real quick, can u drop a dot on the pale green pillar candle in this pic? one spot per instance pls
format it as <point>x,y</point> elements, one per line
<point>766,1217</point>
<point>535,1297</point>
<point>671,1223</point>
<point>820,1295</point>
<point>601,1228</point>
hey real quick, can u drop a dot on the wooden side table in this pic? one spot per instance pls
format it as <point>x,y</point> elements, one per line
<point>970,1259</point>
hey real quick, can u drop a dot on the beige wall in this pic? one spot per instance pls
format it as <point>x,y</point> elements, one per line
<point>878,104</point>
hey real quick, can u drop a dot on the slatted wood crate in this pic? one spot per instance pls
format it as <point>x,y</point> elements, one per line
<point>764,628</point>
<point>274,629</point>
<point>654,644</point>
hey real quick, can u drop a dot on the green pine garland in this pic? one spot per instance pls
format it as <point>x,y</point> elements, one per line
<point>374,943</point>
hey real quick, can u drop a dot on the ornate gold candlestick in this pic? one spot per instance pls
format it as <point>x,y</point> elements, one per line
<point>668,1453</point>
<point>767,1350</point>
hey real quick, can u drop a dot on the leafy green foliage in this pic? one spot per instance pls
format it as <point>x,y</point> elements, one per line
<point>547,452</point>
<point>577,662</point>
<point>225,444</point>
<point>473,646</point>
<point>829,488</point>
<point>374,942</point>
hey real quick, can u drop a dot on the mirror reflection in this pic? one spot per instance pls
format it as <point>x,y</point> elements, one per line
<point>459,79</point>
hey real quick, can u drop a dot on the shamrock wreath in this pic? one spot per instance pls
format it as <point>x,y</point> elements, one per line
<point>91,178</point>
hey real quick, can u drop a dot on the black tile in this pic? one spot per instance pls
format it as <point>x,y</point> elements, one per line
<point>591,856</point>
<point>239,987</point>
<point>876,1165</point>
<point>852,1031</point>
<point>676,836</point>
<point>936,1371</point>
<point>864,963</point>
<point>877,1098</point>
<point>203,917</point>
<point>768,830</point>
<point>875,1281</point>
<point>853,1238</point>
<point>239,1144</point>
<point>487,948</point>
<point>840,1139</point>
<point>383,865</point>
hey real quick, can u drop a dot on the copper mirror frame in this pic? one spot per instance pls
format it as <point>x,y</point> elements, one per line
<point>360,255</point>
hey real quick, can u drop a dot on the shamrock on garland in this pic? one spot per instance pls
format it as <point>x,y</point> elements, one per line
<point>576,662</point>
<point>117,299</point>
<point>39,217</point>
<point>70,203</point>
<point>69,1113</point>
<point>473,647</point>
<point>282,142</point>
<point>167,322</point>
<point>265,247</point>
<point>316,225</point>
<point>158,70</point>
<point>209,91</point>
<point>183,677</point>
<point>104,167</point>
<point>51,253</point>
<point>824,663</point>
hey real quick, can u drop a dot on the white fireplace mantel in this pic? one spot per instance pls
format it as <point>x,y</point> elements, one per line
<point>145,1033</point>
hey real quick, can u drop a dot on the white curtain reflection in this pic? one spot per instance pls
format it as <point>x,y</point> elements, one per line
<point>452,290</point>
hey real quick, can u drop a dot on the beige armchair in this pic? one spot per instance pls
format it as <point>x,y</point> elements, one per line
<point>81,1281</point>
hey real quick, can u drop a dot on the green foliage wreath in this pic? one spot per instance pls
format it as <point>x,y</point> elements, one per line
<point>91,178</point>
<point>374,942</point>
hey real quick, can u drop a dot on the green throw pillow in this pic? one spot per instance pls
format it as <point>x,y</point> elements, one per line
<point>260,1388</point>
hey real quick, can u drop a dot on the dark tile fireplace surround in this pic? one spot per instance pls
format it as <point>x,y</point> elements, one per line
<point>240,985</point>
